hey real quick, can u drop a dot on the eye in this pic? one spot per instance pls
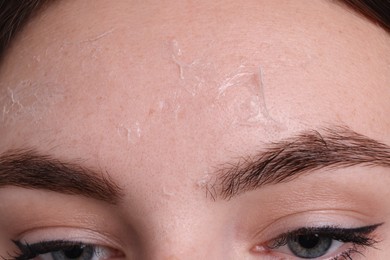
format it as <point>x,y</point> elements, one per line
<point>62,250</point>
<point>74,252</point>
<point>309,246</point>
<point>319,242</point>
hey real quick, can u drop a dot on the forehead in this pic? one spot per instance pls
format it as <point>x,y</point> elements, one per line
<point>199,75</point>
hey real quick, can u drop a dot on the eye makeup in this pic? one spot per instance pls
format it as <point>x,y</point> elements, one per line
<point>332,242</point>
<point>61,249</point>
<point>319,242</point>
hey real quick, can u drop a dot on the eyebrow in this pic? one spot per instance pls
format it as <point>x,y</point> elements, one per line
<point>32,170</point>
<point>282,161</point>
<point>306,152</point>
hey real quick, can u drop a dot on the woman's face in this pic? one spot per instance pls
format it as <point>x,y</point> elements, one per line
<point>196,129</point>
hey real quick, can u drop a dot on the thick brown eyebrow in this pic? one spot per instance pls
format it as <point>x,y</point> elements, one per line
<point>337,147</point>
<point>32,170</point>
<point>282,161</point>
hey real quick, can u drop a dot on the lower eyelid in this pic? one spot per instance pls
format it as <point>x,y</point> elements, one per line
<point>337,251</point>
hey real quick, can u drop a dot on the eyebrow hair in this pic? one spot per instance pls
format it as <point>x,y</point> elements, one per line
<point>32,170</point>
<point>283,161</point>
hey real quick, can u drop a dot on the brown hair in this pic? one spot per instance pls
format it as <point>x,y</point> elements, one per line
<point>15,13</point>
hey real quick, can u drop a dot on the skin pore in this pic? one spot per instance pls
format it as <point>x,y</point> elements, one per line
<point>159,98</point>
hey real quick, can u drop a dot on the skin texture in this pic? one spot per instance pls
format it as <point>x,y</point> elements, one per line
<point>134,88</point>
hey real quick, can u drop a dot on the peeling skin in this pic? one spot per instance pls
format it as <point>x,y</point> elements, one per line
<point>175,56</point>
<point>114,81</point>
<point>28,101</point>
<point>235,79</point>
<point>201,74</point>
<point>166,193</point>
<point>261,105</point>
<point>254,107</point>
<point>200,77</point>
<point>204,181</point>
<point>194,75</point>
<point>132,133</point>
<point>100,36</point>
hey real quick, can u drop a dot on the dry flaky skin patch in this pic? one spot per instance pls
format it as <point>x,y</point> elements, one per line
<point>249,78</point>
<point>239,90</point>
<point>33,100</point>
<point>200,73</point>
<point>132,133</point>
<point>28,101</point>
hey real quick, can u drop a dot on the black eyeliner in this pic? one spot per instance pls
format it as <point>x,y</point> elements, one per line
<point>28,251</point>
<point>357,236</point>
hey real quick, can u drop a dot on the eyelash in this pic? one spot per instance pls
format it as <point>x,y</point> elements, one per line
<point>31,251</point>
<point>358,237</point>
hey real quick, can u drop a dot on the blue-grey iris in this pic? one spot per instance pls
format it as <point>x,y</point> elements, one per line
<point>309,246</point>
<point>82,252</point>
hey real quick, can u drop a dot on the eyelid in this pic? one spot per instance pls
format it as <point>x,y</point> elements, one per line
<point>71,234</point>
<point>337,233</point>
<point>318,218</point>
<point>353,240</point>
<point>31,251</point>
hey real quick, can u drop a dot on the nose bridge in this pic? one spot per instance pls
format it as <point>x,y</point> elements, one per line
<point>175,220</point>
<point>183,234</point>
<point>189,250</point>
<point>178,240</point>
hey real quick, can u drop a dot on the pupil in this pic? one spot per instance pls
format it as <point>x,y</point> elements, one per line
<point>308,242</point>
<point>309,246</point>
<point>74,252</point>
